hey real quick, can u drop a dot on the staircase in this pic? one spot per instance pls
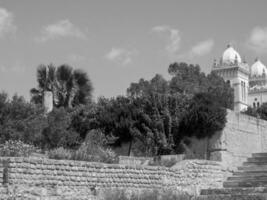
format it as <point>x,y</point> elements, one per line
<point>249,182</point>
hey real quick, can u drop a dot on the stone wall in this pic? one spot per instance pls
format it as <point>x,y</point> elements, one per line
<point>55,176</point>
<point>242,136</point>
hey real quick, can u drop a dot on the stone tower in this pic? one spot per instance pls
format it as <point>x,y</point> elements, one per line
<point>233,70</point>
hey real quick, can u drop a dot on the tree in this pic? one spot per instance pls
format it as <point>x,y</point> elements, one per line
<point>188,79</point>
<point>204,118</point>
<point>191,112</point>
<point>70,87</point>
<point>156,85</point>
<point>58,132</point>
<point>20,120</point>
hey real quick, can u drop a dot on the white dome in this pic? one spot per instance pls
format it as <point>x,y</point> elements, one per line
<point>230,55</point>
<point>257,69</point>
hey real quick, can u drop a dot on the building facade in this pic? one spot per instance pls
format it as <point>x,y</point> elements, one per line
<point>249,82</point>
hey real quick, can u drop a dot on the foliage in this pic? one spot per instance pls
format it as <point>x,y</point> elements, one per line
<point>60,153</point>
<point>69,87</point>
<point>13,148</point>
<point>20,120</point>
<point>178,108</point>
<point>58,131</point>
<point>164,162</point>
<point>150,120</point>
<point>260,112</point>
<point>204,117</point>
<point>145,195</point>
<point>188,79</point>
<point>154,118</point>
<point>156,85</point>
<point>93,149</point>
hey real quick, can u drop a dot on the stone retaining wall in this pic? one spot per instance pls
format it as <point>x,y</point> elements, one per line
<point>242,136</point>
<point>54,175</point>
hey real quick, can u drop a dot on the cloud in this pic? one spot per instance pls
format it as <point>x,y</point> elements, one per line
<point>173,37</point>
<point>62,28</point>
<point>200,49</point>
<point>257,40</point>
<point>6,23</point>
<point>120,55</point>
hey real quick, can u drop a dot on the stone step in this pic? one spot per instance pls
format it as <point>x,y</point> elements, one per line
<point>250,173</point>
<point>236,191</point>
<point>247,178</point>
<point>257,159</point>
<point>259,155</point>
<point>258,168</point>
<point>232,197</point>
<point>238,184</point>
<point>259,163</point>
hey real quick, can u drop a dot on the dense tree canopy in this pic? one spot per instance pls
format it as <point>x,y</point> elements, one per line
<point>200,103</point>
<point>154,118</point>
<point>20,120</point>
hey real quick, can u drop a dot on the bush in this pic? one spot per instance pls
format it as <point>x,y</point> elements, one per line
<point>16,148</point>
<point>60,154</point>
<point>58,132</point>
<point>91,153</point>
<point>92,150</point>
<point>145,195</point>
<point>165,162</point>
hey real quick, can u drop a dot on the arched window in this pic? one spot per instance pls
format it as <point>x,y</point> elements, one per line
<point>254,105</point>
<point>258,104</point>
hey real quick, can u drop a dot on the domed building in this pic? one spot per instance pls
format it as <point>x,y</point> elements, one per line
<point>249,83</point>
<point>257,84</point>
<point>237,73</point>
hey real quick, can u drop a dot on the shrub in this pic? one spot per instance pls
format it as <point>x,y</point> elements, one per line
<point>92,150</point>
<point>91,153</point>
<point>60,154</point>
<point>164,162</point>
<point>58,132</point>
<point>16,148</point>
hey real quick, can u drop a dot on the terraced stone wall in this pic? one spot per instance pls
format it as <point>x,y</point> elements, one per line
<point>81,177</point>
<point>242,136</point>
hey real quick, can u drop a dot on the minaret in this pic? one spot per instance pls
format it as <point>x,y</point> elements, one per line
<point>233,70</point>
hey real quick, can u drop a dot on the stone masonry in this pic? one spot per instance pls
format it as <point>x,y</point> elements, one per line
<point>42,178</point>
<point>242,136</point>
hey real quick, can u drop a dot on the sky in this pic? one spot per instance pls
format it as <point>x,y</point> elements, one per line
<point>120,41</point>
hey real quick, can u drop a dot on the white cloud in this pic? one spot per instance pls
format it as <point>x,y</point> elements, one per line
<point>6,22</point>
<point>62,28</point>
<point>173,37</point>
<point>258,39</point>
<point>202,48</point>
<point>120,55</point>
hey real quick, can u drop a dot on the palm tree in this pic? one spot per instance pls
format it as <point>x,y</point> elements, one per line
<point>69,87</point>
